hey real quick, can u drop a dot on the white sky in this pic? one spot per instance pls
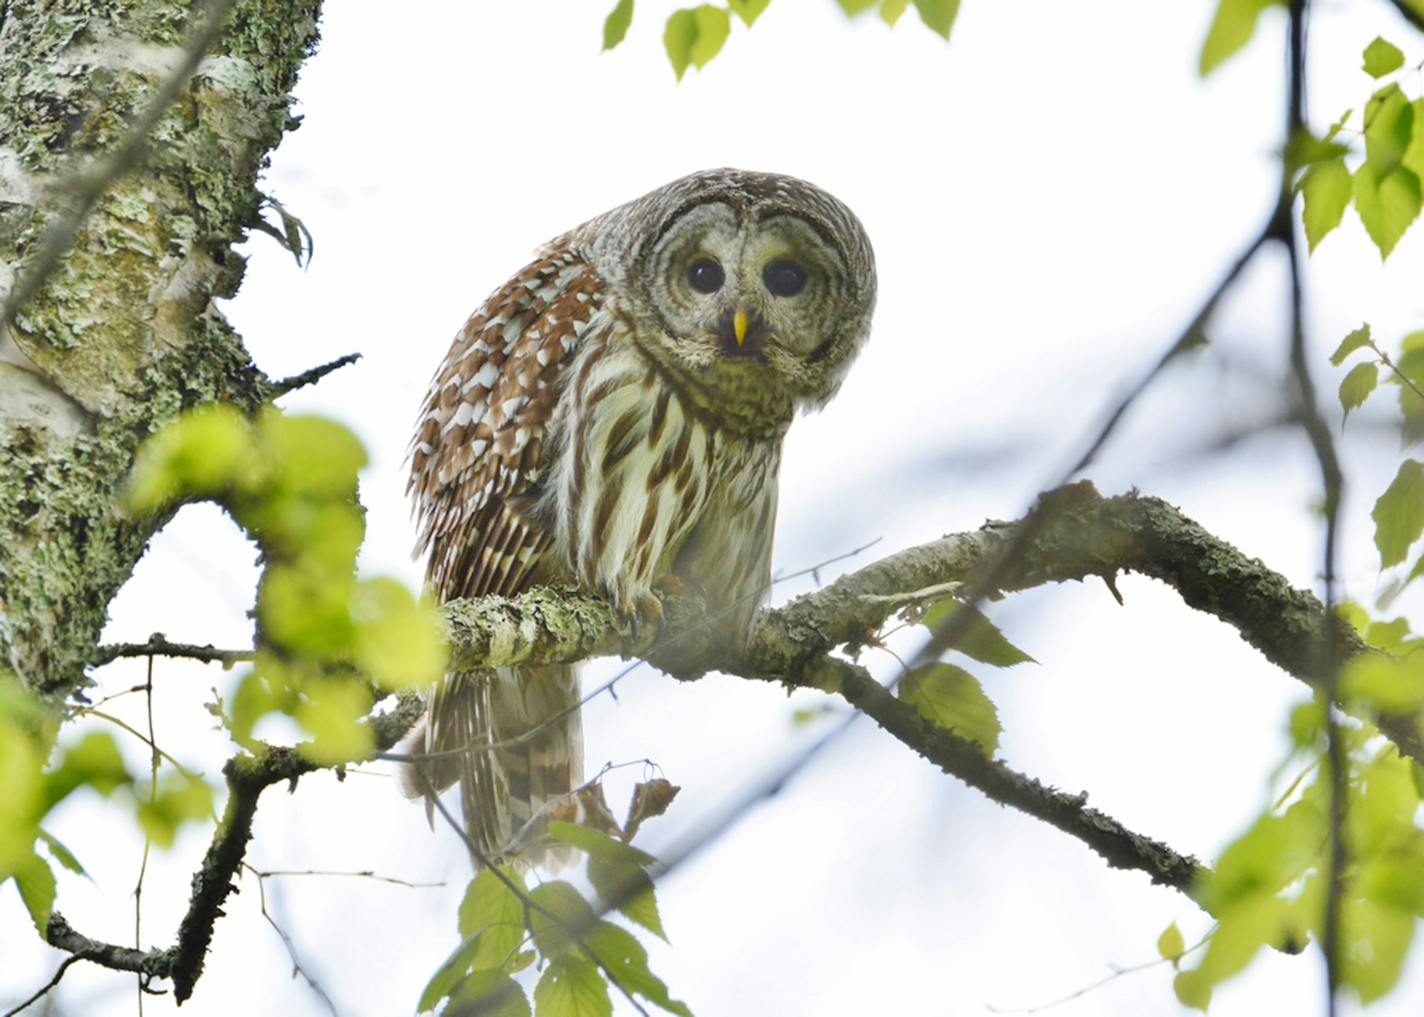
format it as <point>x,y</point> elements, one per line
<point>1050,196</point>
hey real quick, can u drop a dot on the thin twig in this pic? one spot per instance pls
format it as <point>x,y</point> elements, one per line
<point>44,989</point>
<point>89,711</point>
<point>277,389</point>
<point>364,874</point>
<point>154,757</point>
<point>1117,973</point>
<point>86,187</point>
<point>297,968</point>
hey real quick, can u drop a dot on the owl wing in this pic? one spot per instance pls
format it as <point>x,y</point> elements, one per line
<point>476,458</point>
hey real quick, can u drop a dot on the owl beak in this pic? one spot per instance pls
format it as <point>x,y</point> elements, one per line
<point>739,326</point>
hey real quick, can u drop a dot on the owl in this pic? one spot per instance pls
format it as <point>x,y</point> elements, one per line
<point>612,416</point>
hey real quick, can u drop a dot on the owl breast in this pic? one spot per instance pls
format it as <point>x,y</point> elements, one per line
<point>644,483</point>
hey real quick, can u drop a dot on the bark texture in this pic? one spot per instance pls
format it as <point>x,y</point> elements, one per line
<point>123,334</point>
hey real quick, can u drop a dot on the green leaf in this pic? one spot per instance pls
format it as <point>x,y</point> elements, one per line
<point>487,994</point>
<point>22,802</point>
<point>1326,187</point>
<point>980,638</point>
<point>1399,513</point>
<point>1249,924</point>
<point>623,956</point>
<point>1358,385</point>
<point>332,711</point>
<point>1376,941</point>
<point>854,7</point>
<point>1307,723</point>
<point>1358,339</point>
<point>94,762</point>
<point>1171,945</point>
<point>938,15</point>
<point>492,911</point>
<point>891,10</point>
<point>748,10</point>
<point>306,610</point>
<point>1382,57</point>
<point>1383,682</point>
<point>1231,28</point>
<point>1380,817</point>
<point>1389,126</point>
<point>616,871</point>
<point>694,35</point>
<point>311,455</point>
<point>598,844</point>
<point>572,987</point>
<point>1263,860</point>
<point>1192,989</point>
<point>556,911</point>
<point>615,26</point>
<point>62,854</point>
<point>180,799</point>
<point>1410,365</point>
<point>207,451</point>
<point>35,880</point>
<point>952,698</point>
<point>460,963</point>
<point>398,640</point>
<point>1387,206</point>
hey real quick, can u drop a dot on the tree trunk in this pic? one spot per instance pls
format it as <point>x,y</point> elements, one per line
<point>124,333</point>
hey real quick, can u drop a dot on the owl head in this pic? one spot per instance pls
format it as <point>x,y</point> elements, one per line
<point>755,289</point>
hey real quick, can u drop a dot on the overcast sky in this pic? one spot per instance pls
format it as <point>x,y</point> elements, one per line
<point>1050,196</point>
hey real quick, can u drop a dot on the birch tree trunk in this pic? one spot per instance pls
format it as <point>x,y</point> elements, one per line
<point>124,333</point>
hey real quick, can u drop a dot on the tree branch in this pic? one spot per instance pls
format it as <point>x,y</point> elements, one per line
<point>1088,535</point>
<point>247,777</point>
<point>1084,535</point>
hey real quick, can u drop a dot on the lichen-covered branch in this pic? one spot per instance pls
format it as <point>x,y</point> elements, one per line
<point>1120,847</point>
<point>1077,534</point>
<point>1086,535</point>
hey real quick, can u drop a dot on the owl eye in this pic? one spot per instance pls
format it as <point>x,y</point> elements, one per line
<point>706,276</point>
<point>783,278</point>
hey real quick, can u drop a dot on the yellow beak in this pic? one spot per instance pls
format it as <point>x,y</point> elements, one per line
<point>739,326</point>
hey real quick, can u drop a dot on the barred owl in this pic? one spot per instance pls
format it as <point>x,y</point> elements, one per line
<point>613,416</point>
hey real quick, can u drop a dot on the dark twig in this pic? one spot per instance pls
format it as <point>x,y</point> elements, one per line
<point>1332,484</point>
<point>84,189</point>
<point>1409,13</point>
<point>44,989</point>
<point>297,968</point>
<point>160,646</point>
<point>277,389</point>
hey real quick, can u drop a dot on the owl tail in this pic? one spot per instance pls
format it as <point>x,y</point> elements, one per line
<point>507,793</point>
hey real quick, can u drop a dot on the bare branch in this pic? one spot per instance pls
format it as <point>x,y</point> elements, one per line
<point>278,389</point>
<point>159,645</point>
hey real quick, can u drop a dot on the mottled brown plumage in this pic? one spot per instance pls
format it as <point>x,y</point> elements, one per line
<point>613,416</point>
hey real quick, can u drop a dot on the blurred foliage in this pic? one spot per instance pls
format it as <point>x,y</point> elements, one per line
<point>328,642</point>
